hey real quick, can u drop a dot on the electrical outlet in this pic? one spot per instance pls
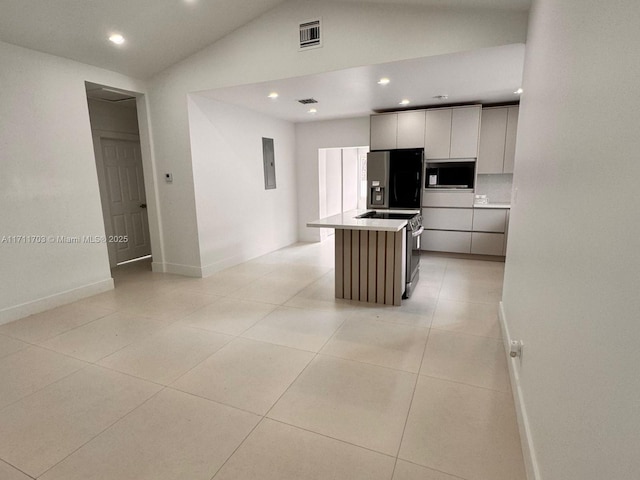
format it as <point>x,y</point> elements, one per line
<point>515,350</point>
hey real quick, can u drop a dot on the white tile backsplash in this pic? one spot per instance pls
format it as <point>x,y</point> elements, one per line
<point>497,188</point>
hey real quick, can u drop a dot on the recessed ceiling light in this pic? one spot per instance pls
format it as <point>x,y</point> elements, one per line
<point>273,95</point>
<point>518,91</point>
<point>404,101</point>
<point>383,81</point>
<point>117,39</point>
<point>312,110</point>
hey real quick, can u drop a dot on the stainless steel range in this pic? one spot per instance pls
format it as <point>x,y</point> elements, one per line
<point>413,234</point>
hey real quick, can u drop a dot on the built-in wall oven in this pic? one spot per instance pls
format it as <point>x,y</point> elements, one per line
<point>458,174</point>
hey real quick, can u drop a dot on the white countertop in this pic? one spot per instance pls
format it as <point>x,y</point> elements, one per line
<point>349,221</point>
<point>492,205</point>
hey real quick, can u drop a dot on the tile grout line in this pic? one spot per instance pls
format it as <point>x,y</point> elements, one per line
<point>434,469</point>
<point>57,334</point>
<point>465,384</point>
<point>16,468</point>
<point>413,393</point>
<point>330,437</point>
<point>103,430</point>
<point>456,332</point>
<point>237,448</point>
<point>268,411</point>
<point>46,386</point>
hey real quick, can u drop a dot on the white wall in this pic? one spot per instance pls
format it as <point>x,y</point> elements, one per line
<point>310,137</point>
<point>355,34</point>
<point>48,183</point>
<point>349,179</point>
<point>113,117</point>
<point>572,276</point>
<point>333,181</point>
<point>237,218</point>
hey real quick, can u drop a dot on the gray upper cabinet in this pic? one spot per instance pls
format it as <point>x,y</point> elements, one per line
<point>510,143</point>
<point>444,133</point>
<point>498,140</point>
<point>465,131</point>
<point>452,132</point>
<point>437,139</point>
<point>384,132</point>
<point>411,129</point>
<point>492,140</point>
<point>397,130</point>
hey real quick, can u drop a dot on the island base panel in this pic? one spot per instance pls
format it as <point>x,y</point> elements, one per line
<point>368,266</point>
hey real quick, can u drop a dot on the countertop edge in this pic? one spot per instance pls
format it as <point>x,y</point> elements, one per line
<point>347,221</point>
<point>378,228</point>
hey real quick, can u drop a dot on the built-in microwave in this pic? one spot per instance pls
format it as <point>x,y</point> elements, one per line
<point>450,174</point>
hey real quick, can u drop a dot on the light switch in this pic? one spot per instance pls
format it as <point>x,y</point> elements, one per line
<point>168,177</point>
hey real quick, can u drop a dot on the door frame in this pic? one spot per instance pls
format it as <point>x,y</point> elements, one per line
<point>149,171</point>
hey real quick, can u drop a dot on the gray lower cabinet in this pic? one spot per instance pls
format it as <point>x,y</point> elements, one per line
<point>489,220</point>
<point>483,243</point>
<point>447,218</point>
<point>465,230</point>
<point>446,241</point>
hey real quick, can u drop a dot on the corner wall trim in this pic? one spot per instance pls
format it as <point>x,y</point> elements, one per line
<point>56,300</point>
<point>528,451</point>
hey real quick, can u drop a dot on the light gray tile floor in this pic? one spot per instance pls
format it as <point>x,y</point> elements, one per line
<point>258,372</point>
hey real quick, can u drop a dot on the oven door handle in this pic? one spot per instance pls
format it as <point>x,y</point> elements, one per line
<point>418,232</point>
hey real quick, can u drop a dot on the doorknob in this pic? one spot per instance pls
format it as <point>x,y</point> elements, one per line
<point>143,205</point>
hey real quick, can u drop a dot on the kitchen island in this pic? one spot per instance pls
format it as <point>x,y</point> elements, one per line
<point>369,257</point>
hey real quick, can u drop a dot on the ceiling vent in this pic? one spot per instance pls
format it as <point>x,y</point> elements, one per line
<point>310,35</point>
<point>307,101</point>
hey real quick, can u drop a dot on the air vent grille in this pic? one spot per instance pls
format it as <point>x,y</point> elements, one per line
<point>307,101</point>
<point>310,34</point>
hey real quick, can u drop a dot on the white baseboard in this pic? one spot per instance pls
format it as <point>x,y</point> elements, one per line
<point>45,303</point>
<point>157,267</point>
<point>212,268</point>
<point>178,269</point>
<point>528,451</point>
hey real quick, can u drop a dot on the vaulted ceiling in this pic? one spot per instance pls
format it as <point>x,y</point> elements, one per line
<point>159,33</point>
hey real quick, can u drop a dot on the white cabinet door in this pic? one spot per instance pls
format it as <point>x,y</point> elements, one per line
<point>447,218</point>
<point>510,143</point>
<point>465,132</point>
<point>384,131</point>
<point>489,220</point>
<point>437,138</point>
<point>487,243</point>
<point>446,241</point>
<point>492,140</point>
<point>411,129</point>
